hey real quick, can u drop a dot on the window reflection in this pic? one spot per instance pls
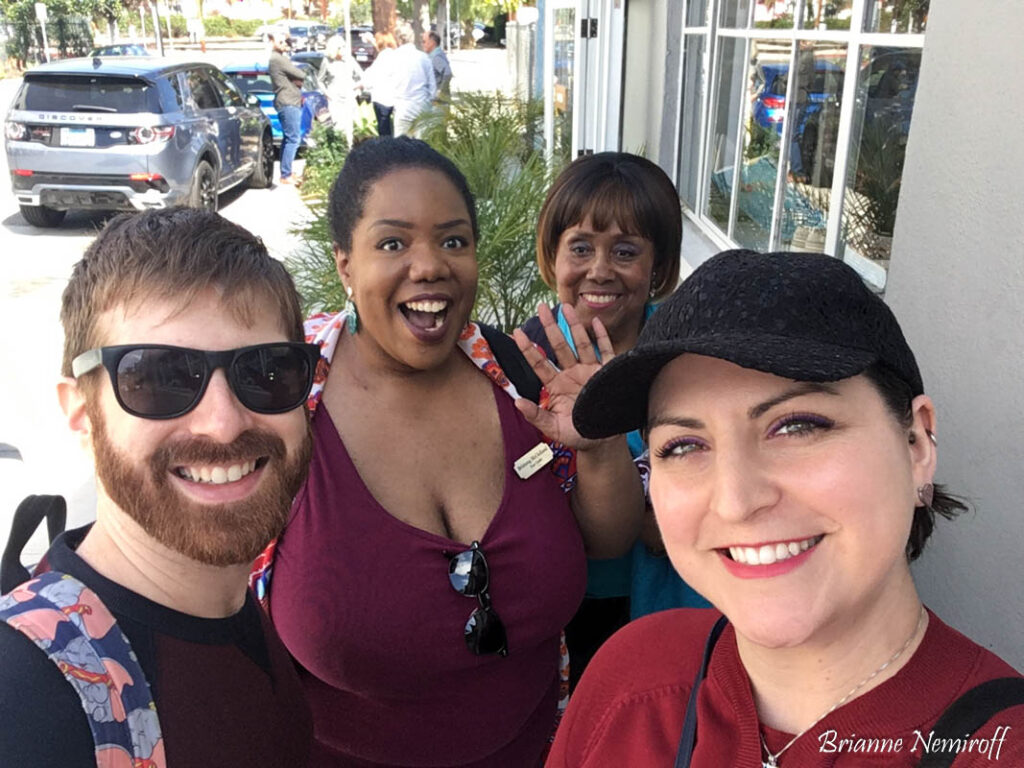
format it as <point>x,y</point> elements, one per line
<point>827,14</point>
<point>724,133</point>
<point>735,13</point>
<point>886,85</point>
<point>774,14</point>
<point>896,16</point>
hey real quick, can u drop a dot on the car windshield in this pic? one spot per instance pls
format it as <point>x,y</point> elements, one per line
<point>87,93</point>
<point>252,82</point>
<point>303,31</point>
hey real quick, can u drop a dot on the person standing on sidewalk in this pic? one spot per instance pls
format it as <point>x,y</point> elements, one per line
<point>414,82</point>
<point>287,79</point>
<point>439,61</point>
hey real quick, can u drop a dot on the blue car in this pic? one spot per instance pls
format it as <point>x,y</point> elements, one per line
<point>770,89</point>
<point>254,80</point>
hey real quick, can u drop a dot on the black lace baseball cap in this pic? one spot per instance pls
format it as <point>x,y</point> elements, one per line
<point>802,316</point>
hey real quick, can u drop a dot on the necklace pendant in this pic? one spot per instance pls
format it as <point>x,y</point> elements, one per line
<point>770,762</point>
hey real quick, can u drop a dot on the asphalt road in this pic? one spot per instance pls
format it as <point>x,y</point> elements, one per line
<point>37,452</point>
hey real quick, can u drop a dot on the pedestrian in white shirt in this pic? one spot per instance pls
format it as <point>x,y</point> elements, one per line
<point>378,80</point>
<point>415,87</point>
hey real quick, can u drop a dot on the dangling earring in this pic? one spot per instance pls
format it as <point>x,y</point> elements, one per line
<point>925,494</point>
<point>653,291</point>
<point>352,321</point>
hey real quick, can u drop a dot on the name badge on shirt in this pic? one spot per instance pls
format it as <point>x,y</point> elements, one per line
<point>528,464</point>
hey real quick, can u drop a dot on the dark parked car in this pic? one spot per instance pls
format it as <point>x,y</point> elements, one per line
<point>315,59</point>
<point>254,81</point>
<point>361,43</point>
<point>131,134</point>
<point>319,33</point>
<point>129,49</point>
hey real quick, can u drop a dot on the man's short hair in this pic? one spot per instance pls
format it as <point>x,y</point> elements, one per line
<point>435,37</point>
<point>173,255</point>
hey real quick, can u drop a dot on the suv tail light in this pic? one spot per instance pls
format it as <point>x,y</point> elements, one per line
<point>146,135</point>
<point>15,131</point>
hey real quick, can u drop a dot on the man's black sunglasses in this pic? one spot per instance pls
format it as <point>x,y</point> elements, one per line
<point>469,576</point>
<point>156,381</point>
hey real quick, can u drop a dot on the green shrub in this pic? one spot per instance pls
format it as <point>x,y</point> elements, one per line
<point>217,26</point>
<point>246,27</point>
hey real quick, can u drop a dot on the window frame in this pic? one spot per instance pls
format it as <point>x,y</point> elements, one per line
<point>855,39</point>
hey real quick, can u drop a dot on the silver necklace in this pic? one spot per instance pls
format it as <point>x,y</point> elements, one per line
<point>772,761</point>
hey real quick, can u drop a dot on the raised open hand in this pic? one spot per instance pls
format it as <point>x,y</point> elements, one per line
<point>563,377</point>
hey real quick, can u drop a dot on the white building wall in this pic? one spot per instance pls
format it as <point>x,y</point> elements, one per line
<point>956,283</point>
<point>643,90</point>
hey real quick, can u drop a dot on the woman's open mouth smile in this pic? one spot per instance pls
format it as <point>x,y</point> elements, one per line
<point>427,318</point>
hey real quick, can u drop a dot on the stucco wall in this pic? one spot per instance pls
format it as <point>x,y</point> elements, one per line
<point>643,91</point>
<point>957,284</point>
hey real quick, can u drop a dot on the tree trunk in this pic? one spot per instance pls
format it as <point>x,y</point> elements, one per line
<point>420,20</point>
<point>442,22</point>
<point>383,15</point>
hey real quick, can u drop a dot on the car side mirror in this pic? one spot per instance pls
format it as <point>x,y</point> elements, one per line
<point>251,101</point>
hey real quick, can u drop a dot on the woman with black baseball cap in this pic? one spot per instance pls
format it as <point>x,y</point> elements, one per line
<point>792,459</point>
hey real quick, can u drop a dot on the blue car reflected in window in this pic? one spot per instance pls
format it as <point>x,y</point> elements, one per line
<point>254,80</point>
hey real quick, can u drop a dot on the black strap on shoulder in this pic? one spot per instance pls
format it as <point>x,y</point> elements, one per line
<point>967,714</point>
<point>27,517</point>
<point>512,362</point>
<point>688,740</point>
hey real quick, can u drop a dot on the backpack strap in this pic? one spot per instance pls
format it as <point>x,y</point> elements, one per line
<point>512,362</point>
<point>30,513</point>
<point>968,713</point>
<point>70,624</point>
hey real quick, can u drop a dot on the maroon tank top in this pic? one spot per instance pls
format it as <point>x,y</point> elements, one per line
<point>363,602</point>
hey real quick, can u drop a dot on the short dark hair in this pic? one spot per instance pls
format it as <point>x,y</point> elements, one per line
<point>435,37</point>
<point>375,158</point>
<point>173,254</point>
<point>619,188</point>
<point>898,397</point>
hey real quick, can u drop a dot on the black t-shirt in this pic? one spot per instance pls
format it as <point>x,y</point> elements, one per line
<point>226,691</point>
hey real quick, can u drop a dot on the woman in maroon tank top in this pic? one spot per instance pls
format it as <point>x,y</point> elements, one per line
<point>438,548</point>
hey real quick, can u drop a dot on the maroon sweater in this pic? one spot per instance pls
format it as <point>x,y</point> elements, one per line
<point>225,689</point>
<point>629,708</point>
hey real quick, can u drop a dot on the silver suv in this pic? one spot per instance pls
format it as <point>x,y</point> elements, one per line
<point>131,133</point>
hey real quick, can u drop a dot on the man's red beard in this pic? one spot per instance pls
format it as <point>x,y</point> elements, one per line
<point>214,534</point>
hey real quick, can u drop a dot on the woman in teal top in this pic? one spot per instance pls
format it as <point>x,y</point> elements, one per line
<point>608,243</point>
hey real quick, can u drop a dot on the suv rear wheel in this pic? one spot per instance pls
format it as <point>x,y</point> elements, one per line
<point>263,175</point>
<point>42,216</point>
<point>204,188</point>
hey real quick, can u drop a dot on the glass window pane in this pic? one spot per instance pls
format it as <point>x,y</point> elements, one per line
<point>697,13</point>
<point>774,14</point>
<point>827,14</point>
<point>564,44</point>
<point>724,128</point>
<point>896,16</point>
<point>735,13</point>
<point>767,74</point>
<point>886,86</point>
<point>814,113</point>
<point>694,78</point>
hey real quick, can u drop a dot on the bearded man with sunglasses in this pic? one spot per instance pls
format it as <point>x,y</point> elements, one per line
<point>186,377</point>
